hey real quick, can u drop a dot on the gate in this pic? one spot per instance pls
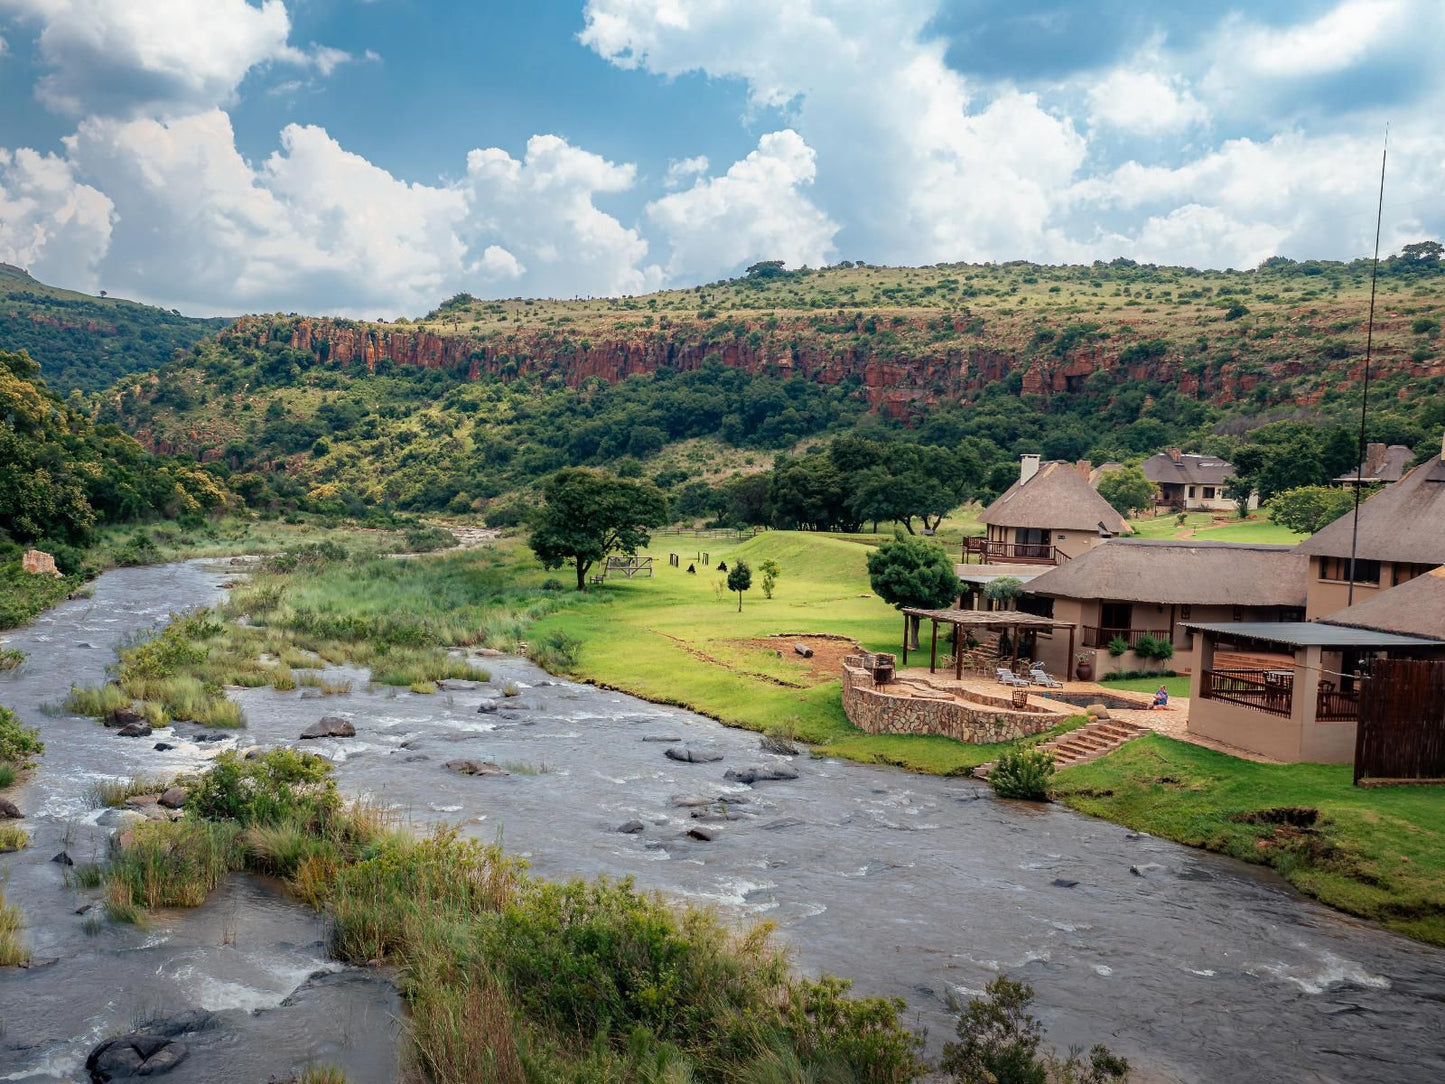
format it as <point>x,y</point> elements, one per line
<point>1401,733</point>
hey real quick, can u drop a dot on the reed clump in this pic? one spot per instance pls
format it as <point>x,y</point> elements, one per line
<point>13,952</point>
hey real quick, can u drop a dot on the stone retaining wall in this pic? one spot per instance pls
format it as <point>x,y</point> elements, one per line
<point>869,707</point>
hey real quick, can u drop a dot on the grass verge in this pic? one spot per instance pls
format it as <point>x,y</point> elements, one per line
<point>1378,853</point>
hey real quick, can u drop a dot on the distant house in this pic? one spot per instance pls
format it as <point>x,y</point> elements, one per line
<point>1048,516</point>
<point>1401,536</point>
<point>1190,483</point>
<point>1132,588</point>
<point>1381,466</point>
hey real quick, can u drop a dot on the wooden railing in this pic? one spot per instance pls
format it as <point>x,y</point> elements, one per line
<point>991,550</point>
<point>1101,637</point>
<point>1264,690</point>
<point>1335,706</point>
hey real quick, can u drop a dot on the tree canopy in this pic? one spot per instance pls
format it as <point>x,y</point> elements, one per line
<point>912,572</point>
<point>589,514</point>
<point>1127,490</point>
<point>1308,508</point>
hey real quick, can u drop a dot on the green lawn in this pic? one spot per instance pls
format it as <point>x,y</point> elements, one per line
<point>676,639</point>
<point>1374,852</point>
<point>1177,686</point>
<point>1201,525</point>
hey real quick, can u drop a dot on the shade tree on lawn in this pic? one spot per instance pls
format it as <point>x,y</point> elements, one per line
<point>589,514</point>
<point>912,572</point>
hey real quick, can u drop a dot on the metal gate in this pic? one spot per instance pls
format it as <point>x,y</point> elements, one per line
<point>1401,733</point>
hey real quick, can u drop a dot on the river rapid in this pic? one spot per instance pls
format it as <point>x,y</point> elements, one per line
<point>1195,967</point>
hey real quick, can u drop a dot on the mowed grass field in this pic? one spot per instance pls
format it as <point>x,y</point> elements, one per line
<point>1206,527</point>
<point>680,639</point>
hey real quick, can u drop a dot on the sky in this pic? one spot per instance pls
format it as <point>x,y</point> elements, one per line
<point>373,157</point>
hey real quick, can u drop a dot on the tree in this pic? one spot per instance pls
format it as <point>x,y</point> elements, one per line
<point>912,572</point>
<point>771,570</point>
<point>1308,508</point>
<point>589,514</point>
<point>740,579</point>
<point>1004,591</point>
<point>1127,490</point>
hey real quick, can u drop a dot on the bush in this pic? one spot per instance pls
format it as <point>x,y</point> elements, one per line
<point>1023,774</point>
<point>1134,675</point>
<point>556,651</point>
<point>281,785</point>
<point>1117,646</point>
<point>170,864</point>
<point>1152,647</point>
<point>999,1044</point>
<point>18,743</point>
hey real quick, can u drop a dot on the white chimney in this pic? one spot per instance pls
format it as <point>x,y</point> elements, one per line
<point>1028,467</point>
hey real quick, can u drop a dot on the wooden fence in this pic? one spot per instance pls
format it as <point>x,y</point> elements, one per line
<point>1401,732</point>
<point>1262,690</point>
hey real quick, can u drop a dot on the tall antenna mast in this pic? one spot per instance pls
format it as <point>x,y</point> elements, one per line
<point>1365,392</point>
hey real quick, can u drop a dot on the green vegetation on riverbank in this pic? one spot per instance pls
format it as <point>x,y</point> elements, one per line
<point>1376,852</point>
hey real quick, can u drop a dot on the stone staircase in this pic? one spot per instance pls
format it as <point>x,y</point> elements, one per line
<point>1087,743</point>
<point>1092,741</point>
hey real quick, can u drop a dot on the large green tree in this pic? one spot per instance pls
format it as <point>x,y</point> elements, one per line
<point>912,572</point>
<point>1308,508</point>
<point>1127,490</point>
<point>589,514</point>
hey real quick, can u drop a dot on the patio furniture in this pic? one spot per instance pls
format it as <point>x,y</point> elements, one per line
<point>1041,677</point>
<point>1008,677</point>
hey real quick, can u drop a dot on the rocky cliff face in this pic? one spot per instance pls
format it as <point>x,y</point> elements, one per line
<point>912,365</point>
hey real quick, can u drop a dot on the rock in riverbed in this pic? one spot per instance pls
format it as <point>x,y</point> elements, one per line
<point>332,726</point>
<point>135,730</point>
<point>666,739</point>
<point>134,1055</point>
<point>9,811</point>
<point>122,717</point>
<point>631,828</point>
<point>174,797</point>
<point>487,707</point>
<point>759,774</point>
<point>688,755</point>
<point>781,746</point>
<point>698,832</point>
<point>476,767</point>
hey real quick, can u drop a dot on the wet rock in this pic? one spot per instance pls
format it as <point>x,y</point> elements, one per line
<point>631,828</point>
<point>487,707</point>
<point>415,758</point>
<point>122,717</point>
<point>719,815</point>
<point>1064,882</point>
<point>706,835</point>
<point>82,643</point>
<point>759,774</point>
<point>1145,869</point>
<point>331,726</point>
<point>135,730</point>
<point>667,739</point>
<point>142,801</point>
<point>119,818</point>
<point>689,801</point>
<point>174,797</point>
<point>34,963</point>
<point>458,684</point>
<point>783,822</point>
<point>209,737</point>
<point>63,859</point>
<point>688,755</point>
<point>780,746</point>
<point>182,1023</point>
<point>134,1055</point>
<point>476,767</point>
<point>163,747</point>
<point>8,811</point>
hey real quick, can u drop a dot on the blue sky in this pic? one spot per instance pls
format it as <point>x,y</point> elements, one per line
<point>370,157</point>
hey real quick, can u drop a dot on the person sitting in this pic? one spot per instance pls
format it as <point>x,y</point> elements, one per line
<point>1161,699</point>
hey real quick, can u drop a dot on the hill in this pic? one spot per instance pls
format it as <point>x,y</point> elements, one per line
<point>1109,361</point>
<point>88,343</point>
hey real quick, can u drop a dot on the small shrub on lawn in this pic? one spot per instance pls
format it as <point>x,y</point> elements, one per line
<point>1023,774</point>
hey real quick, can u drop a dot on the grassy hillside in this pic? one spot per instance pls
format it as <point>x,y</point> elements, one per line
<point>88,343</point>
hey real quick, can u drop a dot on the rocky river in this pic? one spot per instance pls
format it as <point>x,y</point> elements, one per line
<point>1197,968</point>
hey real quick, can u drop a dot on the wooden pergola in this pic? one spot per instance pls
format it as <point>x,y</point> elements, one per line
<point>1010,621</point>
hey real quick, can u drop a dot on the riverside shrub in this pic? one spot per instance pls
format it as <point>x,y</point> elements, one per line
<point>1023,774</point>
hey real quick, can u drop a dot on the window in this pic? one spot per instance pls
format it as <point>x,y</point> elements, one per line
<point>1406,573</point>
<point>1191,491</point>
<point>1337,569</point>
<point>1209,493</point>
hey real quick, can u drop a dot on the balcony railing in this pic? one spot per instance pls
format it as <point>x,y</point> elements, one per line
<point>988,549</point>
<point>1102,637</point>
<point>1269,691</point>
<point>1334,706</point>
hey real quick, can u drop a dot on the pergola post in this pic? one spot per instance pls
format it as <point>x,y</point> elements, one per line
<point>1069,662</point>
<point>933,646</point>
<point>957,653</point>
<point>1015,660</point>
<point>905,639</point>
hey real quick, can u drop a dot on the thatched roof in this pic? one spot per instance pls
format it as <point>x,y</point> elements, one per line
<point>1194,470</point>
<point>1168,572</point>
<point>1381,464</point>
<point>1057,498</point>
<point>1415,608</point>
<point>1403,522</point>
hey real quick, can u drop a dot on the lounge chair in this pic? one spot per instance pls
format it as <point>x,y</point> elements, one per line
<point>1040,677</point>
<point>1008,677</point>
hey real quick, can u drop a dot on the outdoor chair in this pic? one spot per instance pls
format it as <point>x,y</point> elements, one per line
<point>1040,677</point>
<point>1008,677</point>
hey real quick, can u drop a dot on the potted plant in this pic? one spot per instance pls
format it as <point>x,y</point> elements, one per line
<point>1084,666</point>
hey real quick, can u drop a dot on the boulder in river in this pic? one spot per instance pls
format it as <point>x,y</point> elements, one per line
<point>698,832</point>
<point>759,774</point>
<point>476,767</point>
<point>123,717</point>
<point>135,1055</point>
<point>771,743</point>
<point>693,801</point>
<point>331,726</point>
<point>688,755</point>
<point>135,730</point>
<point>174,797</point>
<point>487,707</point>
<point>667,739</point>
<point>631,828</point>
<point>163,747</point>
<point>9,811</point>
<point>63,859</point>
<point>119,818</point>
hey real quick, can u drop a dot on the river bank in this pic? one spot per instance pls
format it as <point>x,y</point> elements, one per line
<point>1197,968</point>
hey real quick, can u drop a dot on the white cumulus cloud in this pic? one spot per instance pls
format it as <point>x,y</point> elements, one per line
<point>1145,102</point>
<point>756,210</point>
<point>50,222</point>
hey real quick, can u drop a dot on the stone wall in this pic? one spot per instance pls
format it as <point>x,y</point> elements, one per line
<point>869,707</point>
